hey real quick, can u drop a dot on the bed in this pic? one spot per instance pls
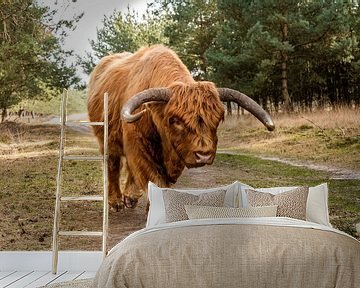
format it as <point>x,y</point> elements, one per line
<point>217,247</point>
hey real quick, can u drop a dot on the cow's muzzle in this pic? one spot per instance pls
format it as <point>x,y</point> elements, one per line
<point>204,158</point>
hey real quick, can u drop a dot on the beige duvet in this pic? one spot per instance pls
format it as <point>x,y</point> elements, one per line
<point>234,253</point>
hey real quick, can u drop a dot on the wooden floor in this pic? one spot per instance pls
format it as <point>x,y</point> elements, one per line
<point>33,268</point>
<point>31,279</point>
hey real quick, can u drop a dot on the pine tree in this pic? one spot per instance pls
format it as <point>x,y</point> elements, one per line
<point>273,47</point>
<point>124,32</point>
<point>32,62</point>
<point>191,29</point>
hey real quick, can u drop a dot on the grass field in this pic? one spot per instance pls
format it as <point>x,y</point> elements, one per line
<point>28,166</point>
<point>326,137</point>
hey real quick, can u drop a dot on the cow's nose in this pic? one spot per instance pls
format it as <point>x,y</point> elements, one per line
<point>203,158</point>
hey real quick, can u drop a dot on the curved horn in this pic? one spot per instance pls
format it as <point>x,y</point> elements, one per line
<point>152,94</point>
<point>248,104</point>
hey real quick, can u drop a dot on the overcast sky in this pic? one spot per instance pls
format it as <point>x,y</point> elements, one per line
<point>94,10</point>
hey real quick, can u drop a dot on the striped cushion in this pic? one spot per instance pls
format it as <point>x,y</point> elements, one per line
<point>201,212</point>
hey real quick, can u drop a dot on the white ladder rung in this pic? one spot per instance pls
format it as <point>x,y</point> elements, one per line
<point>76,123</point>
<point>84,158</point>
<point>83,198</point>
<point>80,233</point>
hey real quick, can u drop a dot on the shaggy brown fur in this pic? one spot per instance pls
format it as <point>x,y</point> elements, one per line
<point>167,137</point>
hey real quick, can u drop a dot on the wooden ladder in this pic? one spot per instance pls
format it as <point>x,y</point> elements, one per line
<point>59,198</point>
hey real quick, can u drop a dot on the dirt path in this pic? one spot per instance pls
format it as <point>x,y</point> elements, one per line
<point>73,117</point>
<point>337,173</point>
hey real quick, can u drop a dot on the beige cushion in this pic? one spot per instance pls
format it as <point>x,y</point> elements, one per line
<point>290,204</point>
<point>175,201</point>
<point>201,212</point>
<point>317,203</point>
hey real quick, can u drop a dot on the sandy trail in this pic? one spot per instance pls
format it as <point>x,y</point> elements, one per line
<point>76,118</point>
<point>337,173</point>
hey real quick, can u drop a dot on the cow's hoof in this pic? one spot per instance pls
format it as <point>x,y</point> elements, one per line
<point>117,206</point>
<point>129,202</point>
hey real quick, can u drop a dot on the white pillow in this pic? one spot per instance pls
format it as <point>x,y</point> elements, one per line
<point>156,213</point>
<point>317,209</point>
<point>317,203</point>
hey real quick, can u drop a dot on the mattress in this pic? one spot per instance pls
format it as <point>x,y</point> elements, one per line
<point>234,252</point>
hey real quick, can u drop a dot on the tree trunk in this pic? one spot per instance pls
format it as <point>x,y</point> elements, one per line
<point>3,114</point>
<point>228,106</point>
<point>284,82</point>
<point>20,112</point>
<point>284,68</point>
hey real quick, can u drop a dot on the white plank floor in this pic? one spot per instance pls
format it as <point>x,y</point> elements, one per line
<point>32,279</point>
<point>33,268</point>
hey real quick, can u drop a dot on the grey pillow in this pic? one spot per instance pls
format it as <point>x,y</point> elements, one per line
<point>290,204</point>
<point>175,201</point>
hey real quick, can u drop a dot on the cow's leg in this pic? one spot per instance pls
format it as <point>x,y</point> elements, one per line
<point>132,192</point>
<point>114,167</point>
<point>136,183</point>
<point>144,163</point>
<point>115,197</point>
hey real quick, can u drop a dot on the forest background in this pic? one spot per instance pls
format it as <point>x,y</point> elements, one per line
<point>287,55</point>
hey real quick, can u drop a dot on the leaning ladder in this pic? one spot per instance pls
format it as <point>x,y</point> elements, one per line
<point>59,198</point>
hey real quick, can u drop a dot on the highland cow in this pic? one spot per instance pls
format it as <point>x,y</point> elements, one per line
<point>160,119</point>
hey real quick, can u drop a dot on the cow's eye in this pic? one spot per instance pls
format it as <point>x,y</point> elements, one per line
<point>177,123</point>
<point>200,121</point>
